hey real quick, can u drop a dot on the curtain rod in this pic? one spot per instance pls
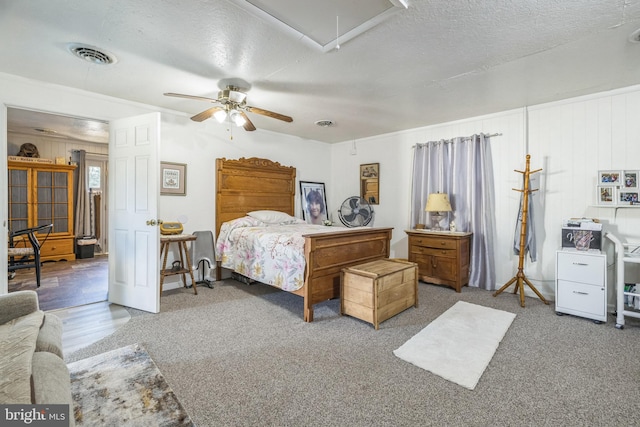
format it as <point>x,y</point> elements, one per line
<point>89,152</point>
<point>466,138</point>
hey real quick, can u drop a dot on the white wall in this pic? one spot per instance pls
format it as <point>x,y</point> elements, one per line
<point>569,140</point>
<point>182,141</point>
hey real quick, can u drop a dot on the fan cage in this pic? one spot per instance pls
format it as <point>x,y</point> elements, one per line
<point>357,207</point>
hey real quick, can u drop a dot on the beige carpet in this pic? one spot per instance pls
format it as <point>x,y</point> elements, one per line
<point>459,344</point>
<point>123,387</point>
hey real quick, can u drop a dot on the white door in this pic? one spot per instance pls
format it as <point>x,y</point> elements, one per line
<point>133,211</point>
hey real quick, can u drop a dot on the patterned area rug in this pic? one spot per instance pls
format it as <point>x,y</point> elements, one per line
<point>123,387</point>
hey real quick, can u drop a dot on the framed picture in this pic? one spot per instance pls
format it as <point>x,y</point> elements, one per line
<point>173,179</point>
<point>628,197</point>
<point>630,180</point>
<point>606,195</point>
<point>370,182</point>
<point>314,202</point>
<point>609,178</point>
<point>370,170</point>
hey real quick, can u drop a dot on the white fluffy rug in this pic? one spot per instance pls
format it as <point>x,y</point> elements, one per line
<point>459,344</point>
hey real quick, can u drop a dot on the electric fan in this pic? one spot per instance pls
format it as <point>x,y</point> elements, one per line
<point>356,212</point>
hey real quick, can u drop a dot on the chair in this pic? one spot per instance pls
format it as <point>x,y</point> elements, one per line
<point>23,256</point>
<point>202,251</point>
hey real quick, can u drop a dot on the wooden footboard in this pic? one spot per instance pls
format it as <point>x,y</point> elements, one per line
<point>327,254</point>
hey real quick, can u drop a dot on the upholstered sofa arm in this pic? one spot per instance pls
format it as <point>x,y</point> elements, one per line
<point>17,304</point>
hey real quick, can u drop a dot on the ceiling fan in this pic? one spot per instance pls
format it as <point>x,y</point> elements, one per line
<point>233,106</point>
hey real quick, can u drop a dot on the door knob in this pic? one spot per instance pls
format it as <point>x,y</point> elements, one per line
<point>152,222</point>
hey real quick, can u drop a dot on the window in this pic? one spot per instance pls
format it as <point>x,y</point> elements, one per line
<point>94,177</point>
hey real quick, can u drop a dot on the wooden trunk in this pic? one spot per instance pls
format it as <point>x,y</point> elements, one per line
<point>378,290</point>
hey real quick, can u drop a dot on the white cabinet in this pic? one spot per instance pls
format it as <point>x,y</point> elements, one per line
<point>581,284</point>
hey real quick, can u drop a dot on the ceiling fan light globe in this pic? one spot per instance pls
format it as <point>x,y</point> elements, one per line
<point>220,115</point>
<point>237,97</point>
<point>237,118</point>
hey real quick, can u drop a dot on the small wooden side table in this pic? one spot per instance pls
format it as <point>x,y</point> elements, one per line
<point>181,240</point>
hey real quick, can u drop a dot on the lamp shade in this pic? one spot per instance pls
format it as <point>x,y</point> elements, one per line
<point>438,202</point>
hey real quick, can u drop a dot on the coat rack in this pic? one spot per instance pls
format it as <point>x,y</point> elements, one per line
<point>520,277</point>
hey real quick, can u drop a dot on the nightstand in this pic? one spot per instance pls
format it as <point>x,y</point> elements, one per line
<point>442,256</point>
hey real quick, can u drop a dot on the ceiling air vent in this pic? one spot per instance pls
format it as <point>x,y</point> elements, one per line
<point>92,54</point>
<point>324,123</point>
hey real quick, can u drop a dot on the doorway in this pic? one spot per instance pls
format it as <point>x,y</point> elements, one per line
<point>68,283</point>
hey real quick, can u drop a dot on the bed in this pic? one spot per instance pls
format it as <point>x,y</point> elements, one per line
<point>254,184</point>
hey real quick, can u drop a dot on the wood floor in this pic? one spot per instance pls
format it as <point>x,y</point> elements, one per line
<point>89,323</point>
<point>65,284</point>
<point>75,291</point>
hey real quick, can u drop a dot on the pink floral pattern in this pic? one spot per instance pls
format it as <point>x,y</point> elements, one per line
<point>267,253</point>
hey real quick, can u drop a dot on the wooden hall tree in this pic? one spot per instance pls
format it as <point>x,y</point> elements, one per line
<point>520,279</point>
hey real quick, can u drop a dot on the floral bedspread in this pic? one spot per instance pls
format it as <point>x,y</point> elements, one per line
<point>267,253</point>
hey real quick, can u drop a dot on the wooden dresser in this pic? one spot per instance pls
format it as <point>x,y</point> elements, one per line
<point>442,256</point>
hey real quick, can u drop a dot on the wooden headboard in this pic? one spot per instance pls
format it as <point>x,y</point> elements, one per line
<point>247,185</point>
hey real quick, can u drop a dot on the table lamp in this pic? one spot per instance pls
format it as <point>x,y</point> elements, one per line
<point>437,203</point>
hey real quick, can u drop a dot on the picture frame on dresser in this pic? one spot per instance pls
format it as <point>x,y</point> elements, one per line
<point>606,195</point>
<point>609,177</point>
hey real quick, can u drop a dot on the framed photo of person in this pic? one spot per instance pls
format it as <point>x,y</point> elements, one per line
<point>173,179</point>
<point>609,178</point>
<point>606,195</point>
<point>313,202</point>
<point>628,197</point>
<point>630,180</point>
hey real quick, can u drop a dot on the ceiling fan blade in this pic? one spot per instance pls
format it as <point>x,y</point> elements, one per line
<point>269,114</point>
<point>205,114</point>
<point>198,98</point>
<point>248,126</point>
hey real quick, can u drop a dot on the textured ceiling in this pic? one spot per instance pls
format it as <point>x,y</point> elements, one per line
<point>433,62</point>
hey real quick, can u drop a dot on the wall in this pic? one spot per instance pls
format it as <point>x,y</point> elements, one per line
<point>182,141</point>
<point>50,148</point>
<point>569,140</point>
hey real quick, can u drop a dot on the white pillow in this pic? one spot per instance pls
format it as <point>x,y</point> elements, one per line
<point>272,217</point>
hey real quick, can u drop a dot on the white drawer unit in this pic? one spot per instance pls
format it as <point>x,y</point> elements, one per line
<point>581,284</point>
